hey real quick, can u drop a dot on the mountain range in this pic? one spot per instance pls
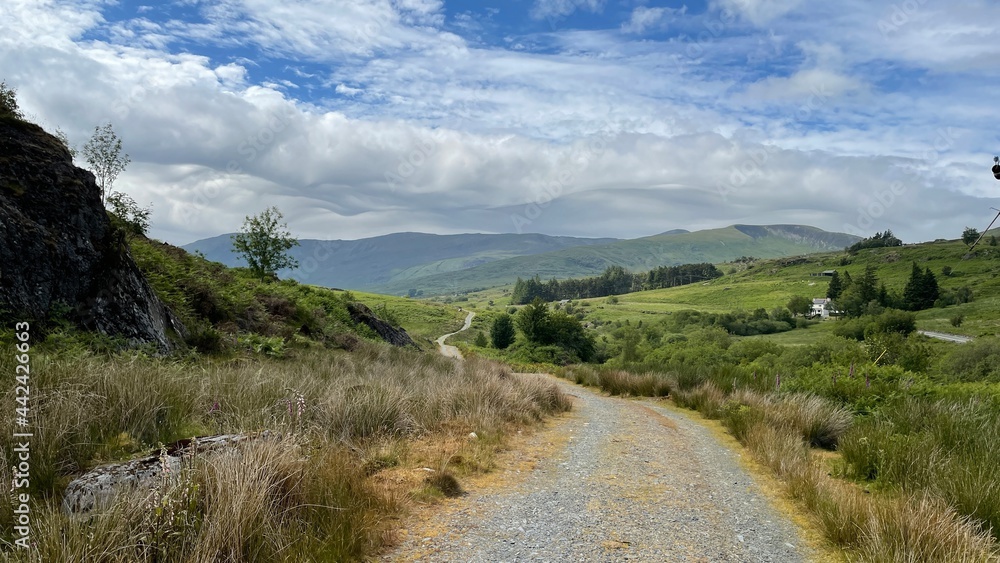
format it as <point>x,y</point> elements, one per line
<point>435,264</point>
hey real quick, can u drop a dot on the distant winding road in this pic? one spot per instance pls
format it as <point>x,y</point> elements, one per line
<point>945,336</point>
<point>452,351</point>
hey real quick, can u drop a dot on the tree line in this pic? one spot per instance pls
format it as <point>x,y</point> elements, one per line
<point>615,280</point>
<point>547,334</point>
<point>867,295</point>
<point>878,240</point>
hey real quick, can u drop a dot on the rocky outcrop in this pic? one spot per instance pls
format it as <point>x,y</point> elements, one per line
<point>97,488</point>
<point>360,313</point>
<point>59,254</point>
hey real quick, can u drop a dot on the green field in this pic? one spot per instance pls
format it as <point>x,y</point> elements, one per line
<point>771,283</point>
<point>423,320</point>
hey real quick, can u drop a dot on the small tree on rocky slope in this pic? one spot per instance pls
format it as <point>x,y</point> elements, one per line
<point>103,153</point>
<point>8,102</point>
<point>264,243</point>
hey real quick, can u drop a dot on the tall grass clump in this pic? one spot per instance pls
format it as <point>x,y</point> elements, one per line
<point>271,500</point>
<point>875,528</point>
<point>302,498</point>
<point>939,499</point>
<point>948,448</point>
<point>706,398</point>
<point>617,381</point>
<point>648,384</point>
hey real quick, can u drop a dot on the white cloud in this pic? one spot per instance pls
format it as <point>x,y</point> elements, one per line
<point>347,90</point>
<point>557,9</point>
<point>816,83</point>
<point>320,30</point>
<point>760,12</point>
<point>644,18</point>
<point>433,134</point>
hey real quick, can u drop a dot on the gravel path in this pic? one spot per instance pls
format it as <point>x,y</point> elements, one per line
<point>452,351</point>
<point>634,482</point>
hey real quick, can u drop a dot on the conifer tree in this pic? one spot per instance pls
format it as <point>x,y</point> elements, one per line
<point>836,287</point>
<point>931,289</point>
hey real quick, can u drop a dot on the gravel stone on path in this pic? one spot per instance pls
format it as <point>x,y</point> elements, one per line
<point>635,482</point>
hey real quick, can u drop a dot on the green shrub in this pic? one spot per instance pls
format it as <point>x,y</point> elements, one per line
<point>851,328</point>
<point>502,332</point>
<point>8,103</point>
<point>892,321</point>
<point>746,351</point>
<point>480,340</point>
<point>270,346</point>
<point>975,361</point>
<point>206,339</point>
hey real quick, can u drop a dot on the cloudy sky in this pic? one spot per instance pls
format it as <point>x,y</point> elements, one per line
<point>616,118</point>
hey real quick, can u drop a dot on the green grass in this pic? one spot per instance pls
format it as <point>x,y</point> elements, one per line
<point>308,497</point>
<point>218,304</point>
<point>917,432</point>
<point>258,350</point>
<point>945,447</point>
<point>423,320</point>
<point>929,463</point>
<point>772,283</point>
<point>800,337</point>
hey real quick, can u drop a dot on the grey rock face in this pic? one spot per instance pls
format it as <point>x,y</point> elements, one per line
<point>58,250</point>
<point>98,487</point>
<point>360,313</point>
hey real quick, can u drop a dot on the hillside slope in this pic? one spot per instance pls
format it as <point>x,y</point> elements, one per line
<point>714,246</point>
<point>221,304</point>
<point>772,283</point>
<point>399,257</point>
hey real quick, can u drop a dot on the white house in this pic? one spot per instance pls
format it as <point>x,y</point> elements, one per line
<point>822,308</point>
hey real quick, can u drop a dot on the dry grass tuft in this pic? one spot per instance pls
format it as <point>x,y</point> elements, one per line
<point>917,520</point>
<point>879,528</point>
<point>309,497</point>
<point>445,482</point>
<point>705,398</point>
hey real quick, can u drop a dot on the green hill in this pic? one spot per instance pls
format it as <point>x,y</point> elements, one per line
<point>714,246</point>
<point>772,283</point>
<point>222,305</point>
<point>397,258</point>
